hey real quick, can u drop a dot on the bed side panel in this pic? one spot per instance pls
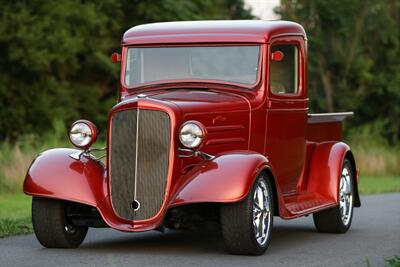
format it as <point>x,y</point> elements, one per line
<point>324,131</point>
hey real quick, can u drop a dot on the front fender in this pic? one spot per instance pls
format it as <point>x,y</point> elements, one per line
<point>226,178</point>
<point>55,174</point>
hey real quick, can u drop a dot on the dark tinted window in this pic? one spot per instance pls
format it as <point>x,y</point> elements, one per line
<point>284,73</point>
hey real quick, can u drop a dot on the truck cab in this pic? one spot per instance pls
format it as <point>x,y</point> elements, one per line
<point>212,122</point>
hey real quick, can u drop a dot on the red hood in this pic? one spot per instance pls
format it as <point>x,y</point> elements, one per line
<point>226,115</point>
<point>195,101</point>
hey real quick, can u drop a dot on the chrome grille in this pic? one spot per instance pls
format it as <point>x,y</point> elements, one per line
<point>139,155</point>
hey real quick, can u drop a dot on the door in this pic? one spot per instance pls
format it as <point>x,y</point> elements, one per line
<point>287,111</point>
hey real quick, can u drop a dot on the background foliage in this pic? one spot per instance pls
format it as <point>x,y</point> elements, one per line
<point>354,59</point>
<point>54,55</point>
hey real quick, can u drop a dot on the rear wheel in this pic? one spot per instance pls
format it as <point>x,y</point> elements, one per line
<point>51,225</point>
<point>338,219</point>
<point>247,225</point>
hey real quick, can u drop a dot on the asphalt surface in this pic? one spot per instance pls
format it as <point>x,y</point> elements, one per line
<point>374,236</point>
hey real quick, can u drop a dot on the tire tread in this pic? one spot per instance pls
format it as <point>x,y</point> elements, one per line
<point>237,224</point>
<point>48,220</point>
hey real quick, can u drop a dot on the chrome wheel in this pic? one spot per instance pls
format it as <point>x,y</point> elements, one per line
<point>246,225</point>
<point>338,219</point>
<point>346,196</point>
<point>261,212</point>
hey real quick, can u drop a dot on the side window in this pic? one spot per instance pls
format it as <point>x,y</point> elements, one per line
<point>284,70</point>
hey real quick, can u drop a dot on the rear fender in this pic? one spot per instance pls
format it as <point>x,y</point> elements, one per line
<point>55,174</point>
<point>325,170</point>
<point>226,178</point>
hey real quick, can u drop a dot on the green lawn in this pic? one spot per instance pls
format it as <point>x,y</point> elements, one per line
<point>15,209</point>
<point>376,185</point>
<point>15,214</point>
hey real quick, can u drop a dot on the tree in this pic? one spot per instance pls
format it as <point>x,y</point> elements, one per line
<point>354,57</point>
<point>54,55</point>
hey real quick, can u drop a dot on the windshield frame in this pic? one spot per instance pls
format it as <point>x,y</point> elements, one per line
<point>192,81</point>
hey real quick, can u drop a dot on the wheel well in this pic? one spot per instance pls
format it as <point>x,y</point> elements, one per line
<point>349,155</point>
<point>192,216</point>
<point>270,176</point>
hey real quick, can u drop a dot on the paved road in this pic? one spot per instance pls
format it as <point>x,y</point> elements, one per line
<point>375,234</point>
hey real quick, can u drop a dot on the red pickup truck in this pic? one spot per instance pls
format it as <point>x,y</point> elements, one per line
<point>212,125</point>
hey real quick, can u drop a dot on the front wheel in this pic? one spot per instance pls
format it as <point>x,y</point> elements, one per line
<point>338,219</point>
<point>247,225</point>
<point>51,225</point>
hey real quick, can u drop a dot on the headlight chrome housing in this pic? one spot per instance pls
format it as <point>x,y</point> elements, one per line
<point>83,134</point>
<point>192,134</point>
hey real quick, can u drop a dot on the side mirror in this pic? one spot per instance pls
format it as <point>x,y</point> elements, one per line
<point>115,57</point>
<point>277,56</point>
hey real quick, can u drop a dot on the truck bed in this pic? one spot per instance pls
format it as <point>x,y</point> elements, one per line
<point>326,126</point>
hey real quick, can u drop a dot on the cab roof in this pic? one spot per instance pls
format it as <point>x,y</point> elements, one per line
<point>231,31</point>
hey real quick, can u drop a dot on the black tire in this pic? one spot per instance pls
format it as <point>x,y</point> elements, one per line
<point>237,223</point>
<point>330,220</point>
<point>51,226</point>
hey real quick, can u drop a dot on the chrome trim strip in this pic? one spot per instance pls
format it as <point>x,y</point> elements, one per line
<point>194,153</point>
<point>345,114</point>
<point>328,117</point>
<point>77,155</point>
<point>137,149</point>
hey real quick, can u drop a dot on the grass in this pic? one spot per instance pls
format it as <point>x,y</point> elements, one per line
<point>15,207</point>
<point>377,161</point>
<point>15,158</point>
<point>394,262</point>
<point>377,185</point>
<point>374,155</point>
<point>15,214</point>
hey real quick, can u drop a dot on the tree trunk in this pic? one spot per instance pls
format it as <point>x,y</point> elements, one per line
<point>327,85</point>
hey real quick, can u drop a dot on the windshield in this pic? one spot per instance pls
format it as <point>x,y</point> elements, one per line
<point>235,64</point>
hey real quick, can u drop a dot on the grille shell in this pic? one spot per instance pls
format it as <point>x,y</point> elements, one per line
<point>139,160</point>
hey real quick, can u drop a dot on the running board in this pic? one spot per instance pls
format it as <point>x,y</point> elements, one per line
<point>306,203</point>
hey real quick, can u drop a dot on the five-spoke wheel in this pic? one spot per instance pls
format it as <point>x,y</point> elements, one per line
<point>261,212</point>
<point>346,196</point>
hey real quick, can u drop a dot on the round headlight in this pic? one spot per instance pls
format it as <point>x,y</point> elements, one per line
<point>191,134</point>
<point>83,134</point>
